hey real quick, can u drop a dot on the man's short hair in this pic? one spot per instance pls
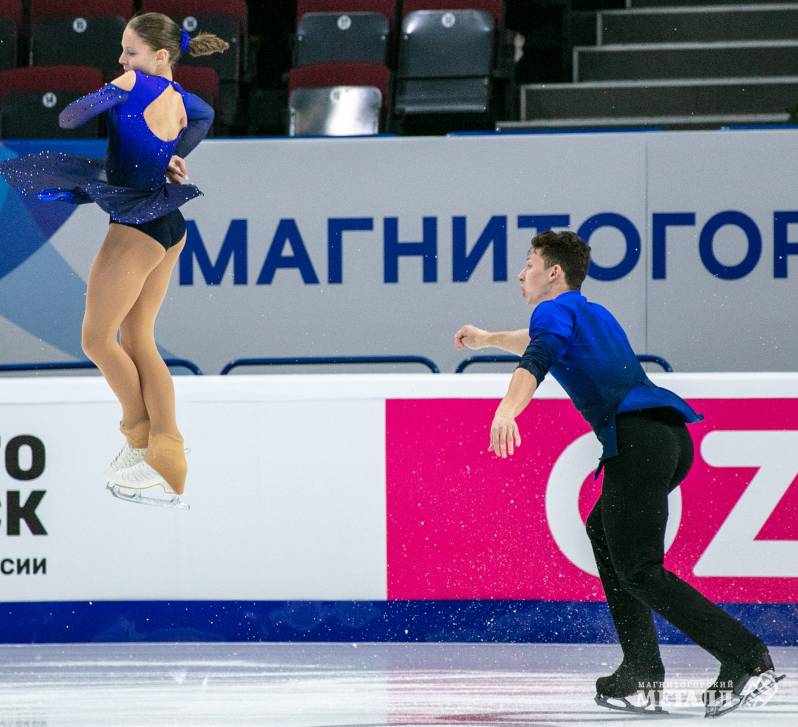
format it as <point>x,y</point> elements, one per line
<point>567,250</point>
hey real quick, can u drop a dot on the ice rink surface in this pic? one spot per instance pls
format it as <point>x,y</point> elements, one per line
<point>337,685</point>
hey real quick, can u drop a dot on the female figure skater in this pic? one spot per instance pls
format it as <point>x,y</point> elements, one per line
<point>153,124</point>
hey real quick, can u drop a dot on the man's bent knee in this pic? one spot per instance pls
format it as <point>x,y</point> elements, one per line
<point>638,577</point>
<point>594,526</point>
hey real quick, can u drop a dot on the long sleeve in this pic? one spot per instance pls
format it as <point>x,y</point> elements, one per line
<point>200,118</point>
<point>550,331</point>
<point>87,107</point>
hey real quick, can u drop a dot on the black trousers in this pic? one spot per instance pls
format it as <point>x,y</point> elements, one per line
<point>627,531</point>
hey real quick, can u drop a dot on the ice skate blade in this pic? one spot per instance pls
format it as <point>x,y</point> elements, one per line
<point>651,710</point>
<point>760,694</point>
<point>130,495</point>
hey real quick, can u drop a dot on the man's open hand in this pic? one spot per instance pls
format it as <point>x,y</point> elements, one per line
<point>504,435</point>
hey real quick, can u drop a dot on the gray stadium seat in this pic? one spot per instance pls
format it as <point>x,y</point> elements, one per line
<point>78,32</point>
<point>337,98</point>
<point>355,36</point>
<point>445,62</point>
<point>10,23</point>
<point>32,97</point>
<point>335,111</point>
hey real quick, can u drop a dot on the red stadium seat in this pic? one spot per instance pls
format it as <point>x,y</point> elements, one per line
<point>335,99</point>
<point>10,31</point>
<point>202,81</point>
<point>228,20</point>
<point>78,32</point>
<point>32,98</point>
<point>323,75</point>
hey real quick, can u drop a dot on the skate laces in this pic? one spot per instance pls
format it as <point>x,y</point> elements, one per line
<point>127,456</point>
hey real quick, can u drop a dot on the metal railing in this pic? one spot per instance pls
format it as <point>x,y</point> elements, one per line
<point>332,360</point>
<point>308,361</point>
<point>504,358</point>
<point>65,365</point>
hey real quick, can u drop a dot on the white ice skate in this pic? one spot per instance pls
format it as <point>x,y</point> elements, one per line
<point>127,457</point>
<point>128,483</point>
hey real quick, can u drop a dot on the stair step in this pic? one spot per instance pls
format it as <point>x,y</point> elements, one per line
<point>628,123</point>
<point>698,24</point>
<point>685,60</point>
<point>693,3</point>
<point>659,98</point>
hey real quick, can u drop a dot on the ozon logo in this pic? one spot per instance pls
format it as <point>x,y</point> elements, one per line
<point>734,550</point>
<point>577,462</point>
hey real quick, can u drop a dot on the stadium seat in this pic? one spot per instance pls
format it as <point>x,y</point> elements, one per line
<point>495,8</point>
<point>32,98</point>
<point>337,99</point>
<point>446,56</point>
<point>10,30</point>
<point>386,7</point>
<point>204,82</point>
<point>228,20</point>
<point>78,32</point>
<point>343,30</point>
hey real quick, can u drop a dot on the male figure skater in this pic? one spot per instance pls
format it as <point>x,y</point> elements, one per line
<point>647,452</point>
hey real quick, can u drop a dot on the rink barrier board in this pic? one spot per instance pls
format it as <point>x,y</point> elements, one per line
<point>351,621</point>
<point>385,520</point>
<point>381,235</point>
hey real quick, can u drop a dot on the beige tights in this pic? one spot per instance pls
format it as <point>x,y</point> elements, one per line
<point>127,285</point>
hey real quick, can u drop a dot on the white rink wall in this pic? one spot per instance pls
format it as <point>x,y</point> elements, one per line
<point>291,497</point>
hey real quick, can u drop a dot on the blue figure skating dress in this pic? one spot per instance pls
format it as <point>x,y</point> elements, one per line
<point>131,185</point>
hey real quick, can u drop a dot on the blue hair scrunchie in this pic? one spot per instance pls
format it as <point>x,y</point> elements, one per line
<point>185,39</point>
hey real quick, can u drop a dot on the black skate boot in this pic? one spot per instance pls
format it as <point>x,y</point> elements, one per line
<point>645,682</point>
<point>738,686</point>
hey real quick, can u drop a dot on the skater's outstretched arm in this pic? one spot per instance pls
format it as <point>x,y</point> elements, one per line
<point>87,107</point>
<point>472,337</point>
<point>200,119</point>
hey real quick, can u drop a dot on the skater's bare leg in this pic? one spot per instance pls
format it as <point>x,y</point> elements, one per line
<point>126,259</point>
<point>138,341</point>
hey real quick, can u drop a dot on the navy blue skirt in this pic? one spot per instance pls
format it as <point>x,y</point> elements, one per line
<point>53,176</point>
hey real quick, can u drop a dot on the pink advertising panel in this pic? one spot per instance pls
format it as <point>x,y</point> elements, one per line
<point>463,524</point>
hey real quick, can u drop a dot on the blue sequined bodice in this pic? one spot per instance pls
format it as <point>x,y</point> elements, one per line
<point>136,157</point>
<point>131,185</point>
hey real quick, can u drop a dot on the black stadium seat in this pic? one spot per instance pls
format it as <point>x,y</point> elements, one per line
<point>228,20</point>
<point>79,32</point>
<point>32,98</point>
<point>446,56</point>
<point>10,27</point>
<point>341,30</point>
